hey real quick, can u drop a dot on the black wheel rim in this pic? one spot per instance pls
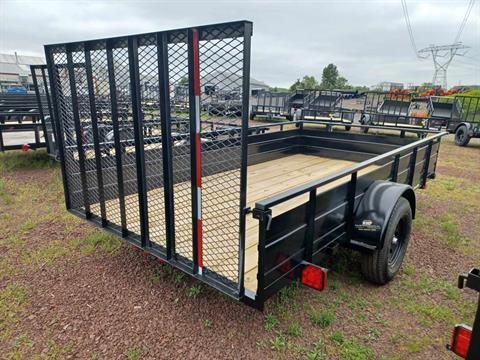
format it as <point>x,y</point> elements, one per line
<point>460,135</point>
<point>398,243</point>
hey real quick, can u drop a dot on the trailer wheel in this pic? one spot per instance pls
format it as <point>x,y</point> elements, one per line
<point>252,116</point>
<point>347,128</point>
<point>382,265</point>
<point>461,136</point>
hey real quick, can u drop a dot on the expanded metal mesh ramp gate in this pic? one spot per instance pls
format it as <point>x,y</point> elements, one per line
<point>143,153</point>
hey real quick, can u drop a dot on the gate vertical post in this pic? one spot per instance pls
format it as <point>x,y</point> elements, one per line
<point>33,70</point>
<point>165,123</point>
<point>138,133</point>
<point>52,77</point>
<point>96,140</point>
<point>247,34</point>
<point>195,146</point>
<point>78,132</point>
<point>116,136</point>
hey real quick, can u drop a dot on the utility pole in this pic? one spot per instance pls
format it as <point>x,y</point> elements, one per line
<point>442,56</point>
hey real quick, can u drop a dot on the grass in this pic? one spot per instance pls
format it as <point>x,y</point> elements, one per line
<point>271,322</point>
<point>13,298</point>
<point>56,351</point>
<point>49,253</point>
<point>322,319</point>
<point>429,312</point>
<point>194,291</point>
<point>294,330</point>
<point>318,351</point>
<point>354,350</point>
<point>134,353</point>
<point>15,160</point>
<point>278,343</point>
<point>416,344</point>
<point>207,323</point>
<point>98,239</point>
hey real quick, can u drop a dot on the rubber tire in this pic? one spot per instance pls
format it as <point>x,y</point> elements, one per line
<point>465,140</point>
<point>375,265</point>
<point>347,128</point>
<point>365,130</point>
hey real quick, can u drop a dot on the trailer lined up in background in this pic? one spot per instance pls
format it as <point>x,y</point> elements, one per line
<point>244,209</point>
<point>44,105</point>
<point>457,114</point>
<point>20,124</point>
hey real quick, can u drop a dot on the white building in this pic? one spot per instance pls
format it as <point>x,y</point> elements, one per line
<point>15,70</point>
<point>387,86</point>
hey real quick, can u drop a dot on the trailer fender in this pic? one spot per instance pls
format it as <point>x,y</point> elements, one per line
<point>374,211</point>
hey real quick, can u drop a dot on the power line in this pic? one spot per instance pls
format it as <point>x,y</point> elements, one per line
<point>409,27</point>
<point>464,21</point>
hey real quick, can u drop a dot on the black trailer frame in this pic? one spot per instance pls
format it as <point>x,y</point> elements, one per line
<point>175,185</point>
<point>44,103</point>
<point>19,113</point>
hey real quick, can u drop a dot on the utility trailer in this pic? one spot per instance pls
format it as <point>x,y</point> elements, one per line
<point>462,116</point>
<point>270,104</point>
<point>244,209</point>
<point>329,105</point>
<point>20,124</point>
<point>396,110</point>
<point>277,105</point>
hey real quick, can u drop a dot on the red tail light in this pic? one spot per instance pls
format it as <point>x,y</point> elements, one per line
<point>314,277</point>
<point>25,147</point>
<point>461,340</point>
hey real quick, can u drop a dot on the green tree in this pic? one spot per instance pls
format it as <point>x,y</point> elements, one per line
<point>307,82</point>
<point>330,77</point>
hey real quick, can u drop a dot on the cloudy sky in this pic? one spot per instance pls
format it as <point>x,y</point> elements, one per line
<point>368,40</point>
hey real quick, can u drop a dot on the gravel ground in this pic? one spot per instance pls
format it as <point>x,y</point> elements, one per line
<point>68,290</point>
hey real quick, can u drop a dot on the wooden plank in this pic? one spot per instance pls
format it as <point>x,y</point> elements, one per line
<point>264,180</point>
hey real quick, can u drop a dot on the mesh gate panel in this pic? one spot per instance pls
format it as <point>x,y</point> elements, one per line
<point>122,81</point>
<point>126,111</point>
<point>221,70</point>
<point>180,130</point>
<point>104,119</point>
<point>64,102</point>
<point>148,70</point>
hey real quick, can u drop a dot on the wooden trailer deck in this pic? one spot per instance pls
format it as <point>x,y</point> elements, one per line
<point>264,180</point>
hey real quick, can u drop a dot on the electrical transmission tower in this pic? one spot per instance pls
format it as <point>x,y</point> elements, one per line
<point>442,56</point>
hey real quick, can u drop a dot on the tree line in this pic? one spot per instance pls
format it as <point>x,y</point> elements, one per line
<point>331,79</point>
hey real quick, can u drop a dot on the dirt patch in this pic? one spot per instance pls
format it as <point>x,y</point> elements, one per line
<point>107,305</point>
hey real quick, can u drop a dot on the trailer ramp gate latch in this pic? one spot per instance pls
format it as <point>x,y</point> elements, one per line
<point>314,276</point>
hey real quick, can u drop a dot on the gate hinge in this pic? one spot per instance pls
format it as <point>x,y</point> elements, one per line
<point>263,215</point>
<point>247,210</point>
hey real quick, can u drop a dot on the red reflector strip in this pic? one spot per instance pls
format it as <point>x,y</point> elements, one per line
<point>314,277</point>
<point>198,143</point>
<point>196,64</point>
<point>461,340</point>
